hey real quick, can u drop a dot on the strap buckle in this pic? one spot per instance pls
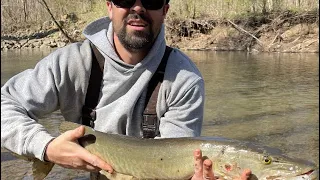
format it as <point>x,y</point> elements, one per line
<point>149,125</point>
<point>88,116</point>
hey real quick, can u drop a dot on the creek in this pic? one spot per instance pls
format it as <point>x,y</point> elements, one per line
<point>267,98</point>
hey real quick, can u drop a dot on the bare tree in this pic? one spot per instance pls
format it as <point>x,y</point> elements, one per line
<point>264,6</point>
<point>25,10</point>
<point>43,2</point>
<point>253,5</point>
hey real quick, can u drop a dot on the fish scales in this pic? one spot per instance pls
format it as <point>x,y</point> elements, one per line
<point>145,158</point>
<point>172,158</point>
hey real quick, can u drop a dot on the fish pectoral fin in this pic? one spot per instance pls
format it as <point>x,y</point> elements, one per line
<point>117,176</point>
<point>41,169</point>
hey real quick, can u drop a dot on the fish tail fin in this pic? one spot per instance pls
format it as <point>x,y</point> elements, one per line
<point>41,169</point>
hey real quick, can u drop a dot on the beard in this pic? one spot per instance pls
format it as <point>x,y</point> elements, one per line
<point>136,40</point>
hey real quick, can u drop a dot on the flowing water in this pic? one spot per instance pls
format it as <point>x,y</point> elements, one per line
<point>268,98</point>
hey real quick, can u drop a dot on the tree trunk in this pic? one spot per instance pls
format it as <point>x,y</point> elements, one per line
<point>253,6</point>
<point>54,20</point>
<point>264,6</point>
<point>25,10</point>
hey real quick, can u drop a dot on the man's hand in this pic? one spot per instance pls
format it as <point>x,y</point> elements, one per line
<point>66,152</point>
<point>203,169</point>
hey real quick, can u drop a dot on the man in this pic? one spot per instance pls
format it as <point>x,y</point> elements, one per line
<point>132,45</point>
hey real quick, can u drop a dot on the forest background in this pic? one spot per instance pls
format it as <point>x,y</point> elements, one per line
<point>252,25</point>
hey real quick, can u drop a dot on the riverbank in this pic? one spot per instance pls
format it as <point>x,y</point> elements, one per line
<point>285,31</point>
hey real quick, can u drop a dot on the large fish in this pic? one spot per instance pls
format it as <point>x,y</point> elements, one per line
<point>172,158</point>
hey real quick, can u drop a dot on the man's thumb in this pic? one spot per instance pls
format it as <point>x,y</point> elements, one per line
<point>77,133</point>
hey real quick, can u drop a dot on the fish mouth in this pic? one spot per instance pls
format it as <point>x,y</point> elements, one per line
<point>313,174</point>
<point>310,175</point>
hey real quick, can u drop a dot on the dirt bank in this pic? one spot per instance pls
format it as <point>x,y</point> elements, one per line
<point>285,31</point>
<point>275,32</point>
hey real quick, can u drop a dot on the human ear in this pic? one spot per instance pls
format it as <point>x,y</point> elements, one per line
<point>166,9</point>
<point>109,7</point>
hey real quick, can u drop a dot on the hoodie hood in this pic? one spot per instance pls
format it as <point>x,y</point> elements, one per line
<point>100,33</point>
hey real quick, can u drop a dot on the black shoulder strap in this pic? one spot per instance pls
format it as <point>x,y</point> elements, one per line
<point>150,124</point>
<point>93,92</point>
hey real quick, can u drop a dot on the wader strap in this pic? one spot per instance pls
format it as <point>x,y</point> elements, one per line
<point>93,92</point>
<point>150,125</point>
<point>150,121</point>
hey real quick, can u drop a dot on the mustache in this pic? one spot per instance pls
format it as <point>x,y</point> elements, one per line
<point>136,16</point>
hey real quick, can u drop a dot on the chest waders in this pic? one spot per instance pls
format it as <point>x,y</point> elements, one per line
<point>150,125</point>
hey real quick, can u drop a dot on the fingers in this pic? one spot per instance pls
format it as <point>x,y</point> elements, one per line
<point>202,169</point>
<point>75,134</point>
<point>95,161</point>
<point>65,151</point>
<point>80,164</point>
<point>198,173</point>
<point>207,169</point>
<point>246,174</point>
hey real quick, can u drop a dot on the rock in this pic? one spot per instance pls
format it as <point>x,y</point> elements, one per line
<point>8,46</point>
<point>72,17</point>
<point>9,42</point>
<point>31,41</point>
<point>16,46</point>
<point>23,42</point>
<point>38,44</point>
<point>47,41</point>
<point>48,25</point>
<point>35,43</point>
<point>76,32</point>
<point>61,44</point>
<point>44,46</point>
<point>26,45</point>
<point>53,44</point>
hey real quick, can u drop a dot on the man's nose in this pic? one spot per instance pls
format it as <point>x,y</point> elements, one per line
<point>138,7</point>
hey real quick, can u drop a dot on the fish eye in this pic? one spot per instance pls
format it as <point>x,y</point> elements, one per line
<point>266,160</point>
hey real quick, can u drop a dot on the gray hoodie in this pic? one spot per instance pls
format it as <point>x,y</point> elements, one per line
<point>60,80</point>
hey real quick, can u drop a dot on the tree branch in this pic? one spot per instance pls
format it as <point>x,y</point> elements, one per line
<point>43,3</point>
<point>246,32</point>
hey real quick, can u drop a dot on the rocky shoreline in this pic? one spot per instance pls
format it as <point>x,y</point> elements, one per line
<point>32,43</point>
<point>277,35</point>
<point>46,35</point>
<point>49,37</point>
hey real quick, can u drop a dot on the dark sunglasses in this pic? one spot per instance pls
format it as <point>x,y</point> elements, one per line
<point>147,4</point>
